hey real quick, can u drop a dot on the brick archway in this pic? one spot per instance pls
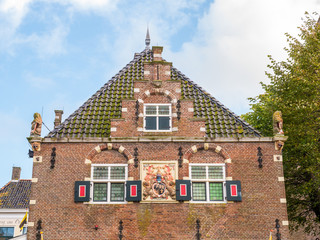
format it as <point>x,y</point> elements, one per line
<point>209,147</point>
<point>159,91</point>
<point>106,147</point>
<point>206,147</point>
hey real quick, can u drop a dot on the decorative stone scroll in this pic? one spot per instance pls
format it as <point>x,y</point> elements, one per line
<point>158,180</point>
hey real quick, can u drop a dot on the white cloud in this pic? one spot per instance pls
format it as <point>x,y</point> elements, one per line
<point>11,16</point>
<point>14,10</point>
<point>12,13</point>
<point>48,43</point>
<point>228,56</point>
<point>102,6</point>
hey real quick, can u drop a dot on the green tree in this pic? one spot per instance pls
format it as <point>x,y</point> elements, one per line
<point>294,89</point>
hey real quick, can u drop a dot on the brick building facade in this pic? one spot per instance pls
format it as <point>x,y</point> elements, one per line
<point>148,155</point>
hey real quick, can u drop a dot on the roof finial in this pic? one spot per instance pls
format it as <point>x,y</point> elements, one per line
<point>147,39</point>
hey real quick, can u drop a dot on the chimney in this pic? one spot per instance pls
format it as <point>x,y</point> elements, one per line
<point>58,118</point>
<point>157,53</point>
<point>16,171</point>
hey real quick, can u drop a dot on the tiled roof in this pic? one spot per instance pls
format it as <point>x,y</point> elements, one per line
<point>15,194</point>
<point>92,119</point>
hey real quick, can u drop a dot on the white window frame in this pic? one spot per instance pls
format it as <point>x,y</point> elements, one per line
<point>157,117</point>
<point>207,181</point>
<point>108,181</point>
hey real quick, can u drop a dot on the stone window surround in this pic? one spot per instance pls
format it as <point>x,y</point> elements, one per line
<point>157,104</point>
<point>207,182</point>
<point>92,181</point>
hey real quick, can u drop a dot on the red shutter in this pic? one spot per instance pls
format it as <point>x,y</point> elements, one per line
<point>133,191</point>
<point>82,191</point>
<point>234,191</point>
<point>183,190</point>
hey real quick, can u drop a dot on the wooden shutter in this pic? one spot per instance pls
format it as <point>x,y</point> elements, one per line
<point>82,191</point>
<point>133,193</point>
<point>183,190</point>
<point>234,191</point>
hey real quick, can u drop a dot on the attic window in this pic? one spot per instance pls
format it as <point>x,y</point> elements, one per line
<point>157,117</point>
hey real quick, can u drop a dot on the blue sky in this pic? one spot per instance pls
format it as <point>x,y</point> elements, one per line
<point>54,54</point>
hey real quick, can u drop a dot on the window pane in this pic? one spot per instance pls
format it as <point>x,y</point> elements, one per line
<point>163,110</point>
<point>117,192</point>
<point>198,172</point>
<point>151,110</point>
<point>100,192</point>
<point>6,231</point>
<point>151,123</point>
<point>216,191</point>
<point>215,172</point>
<point>198,191</point>
<point>117,173</point>
<point>164,123</point>
<point>100,173</point>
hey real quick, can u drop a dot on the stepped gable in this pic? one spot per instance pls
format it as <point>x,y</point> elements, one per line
<point>92,119</point>
<point>15,194</point>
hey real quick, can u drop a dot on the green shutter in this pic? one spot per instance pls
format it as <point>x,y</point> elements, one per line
<point>82,191</point>
<point>234,191</point>
<point>183,190</point>
<point>133,191</point>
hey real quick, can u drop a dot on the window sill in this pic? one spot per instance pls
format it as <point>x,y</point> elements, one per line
<point>105,203</point>
<point>156,131</point>
<point>207,202</point>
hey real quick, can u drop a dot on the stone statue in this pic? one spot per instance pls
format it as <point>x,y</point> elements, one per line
<point>277,123</point>
<point>36,125</point>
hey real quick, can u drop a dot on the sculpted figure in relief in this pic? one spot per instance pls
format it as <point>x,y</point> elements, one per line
<point>277,123</point>
<point>36,125</point>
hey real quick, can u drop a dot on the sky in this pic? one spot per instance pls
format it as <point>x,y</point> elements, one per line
<point>54,54</point>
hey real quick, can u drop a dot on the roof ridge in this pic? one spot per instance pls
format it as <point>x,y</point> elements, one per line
<point>5,186</point>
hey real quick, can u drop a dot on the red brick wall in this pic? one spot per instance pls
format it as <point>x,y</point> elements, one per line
<point>250,219</point>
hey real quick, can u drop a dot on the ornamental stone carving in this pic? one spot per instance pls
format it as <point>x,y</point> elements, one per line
<point>277,123</point>
<point>36,125</point>
<point>158,181</point>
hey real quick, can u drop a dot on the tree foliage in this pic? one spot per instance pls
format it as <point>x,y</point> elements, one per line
<point>294,89</point>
